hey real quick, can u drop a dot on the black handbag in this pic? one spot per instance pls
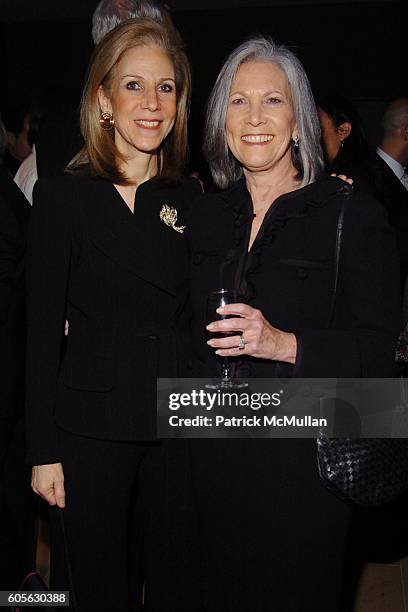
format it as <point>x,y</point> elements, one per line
<point>363,471</point>
<point>34,582</point>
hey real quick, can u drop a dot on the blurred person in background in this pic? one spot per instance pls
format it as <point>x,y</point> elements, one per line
<point>26,175</point>
<point>391,177</point>
<point>16,122</point>
<point>16,502</point>
<point>345,145</point>
<point>382,173</point>
<point>393,149</point>
<point>109,13</point>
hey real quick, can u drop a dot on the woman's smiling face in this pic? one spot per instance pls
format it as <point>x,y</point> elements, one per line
<point>142,100</point>
<point>260,121</point>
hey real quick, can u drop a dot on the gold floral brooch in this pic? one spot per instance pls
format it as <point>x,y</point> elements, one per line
<point>168,215</point>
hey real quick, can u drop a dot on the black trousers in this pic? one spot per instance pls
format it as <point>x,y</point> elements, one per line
<point>271,537</point>
<point>127,507</point>
<point>17,507</point>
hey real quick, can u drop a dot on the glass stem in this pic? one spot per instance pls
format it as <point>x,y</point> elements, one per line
<point>226,368</point>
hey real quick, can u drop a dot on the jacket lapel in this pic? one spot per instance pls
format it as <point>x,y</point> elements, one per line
<point>139,242</point>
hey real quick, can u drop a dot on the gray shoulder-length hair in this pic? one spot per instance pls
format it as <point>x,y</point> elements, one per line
<point>307,157</point>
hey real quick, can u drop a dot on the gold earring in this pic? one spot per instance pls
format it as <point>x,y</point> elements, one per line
<point>106,121</point>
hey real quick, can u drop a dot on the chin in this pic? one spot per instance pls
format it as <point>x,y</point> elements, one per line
<point>148,147</point>
<point>257,164</point>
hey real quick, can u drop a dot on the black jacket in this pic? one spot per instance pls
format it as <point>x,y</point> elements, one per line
<point>289,276</point>
<point>14,215</point>
<point>391,192</point>
<point>121,280</point>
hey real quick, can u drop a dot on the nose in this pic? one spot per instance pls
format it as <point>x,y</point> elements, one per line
<point>151,99</point>
<point>255,114</point>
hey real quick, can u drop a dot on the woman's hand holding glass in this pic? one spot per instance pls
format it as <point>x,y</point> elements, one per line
<point>260,338</point>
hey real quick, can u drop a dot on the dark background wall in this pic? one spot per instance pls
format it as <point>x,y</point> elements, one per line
<point>356,48</point>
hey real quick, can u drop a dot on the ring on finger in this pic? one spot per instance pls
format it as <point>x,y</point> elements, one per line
<point>242,343</point>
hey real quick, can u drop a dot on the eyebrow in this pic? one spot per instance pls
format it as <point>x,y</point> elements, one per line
<point>139,76</point>
<point>268,93</point>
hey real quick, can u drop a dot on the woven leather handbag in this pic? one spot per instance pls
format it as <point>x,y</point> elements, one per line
<point>364,471</point>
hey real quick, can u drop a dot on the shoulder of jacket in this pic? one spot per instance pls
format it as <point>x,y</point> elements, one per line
<point>191,185</point>
<point>55,184</point>
<point>66,189</point>
<point>326,187</point>
<point>205,204</point>
<point>185,186</point>
<point>357,202</point>
<point>361,209</point>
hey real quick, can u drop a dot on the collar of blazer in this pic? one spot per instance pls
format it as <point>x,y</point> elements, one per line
<point>140,241</point>
<point>391,183</point>
<point>294,204</point>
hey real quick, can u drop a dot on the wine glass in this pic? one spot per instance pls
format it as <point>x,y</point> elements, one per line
<point>215,300</point>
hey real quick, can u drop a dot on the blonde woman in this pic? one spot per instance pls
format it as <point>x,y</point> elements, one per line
<point>108,253</point>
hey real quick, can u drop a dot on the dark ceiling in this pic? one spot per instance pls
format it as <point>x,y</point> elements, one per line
<point>25,10</point>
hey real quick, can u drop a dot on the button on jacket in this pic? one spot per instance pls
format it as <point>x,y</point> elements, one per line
<point>121,280</point>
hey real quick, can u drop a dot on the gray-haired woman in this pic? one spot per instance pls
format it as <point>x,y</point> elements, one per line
<point>272,536</point>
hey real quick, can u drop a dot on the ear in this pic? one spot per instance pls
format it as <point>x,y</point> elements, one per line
<point>26,123</point>
<point>11,139</point>
<point>104,101</point>
<point>344,130</point>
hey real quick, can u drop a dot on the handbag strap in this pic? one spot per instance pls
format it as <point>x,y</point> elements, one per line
<point>67,560</point>
<point>339,235</point>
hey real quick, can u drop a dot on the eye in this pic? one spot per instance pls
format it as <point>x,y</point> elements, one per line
<point>273,100</point>
<point>166,88</point>
<point>237,101</point>
<point>133,86</point>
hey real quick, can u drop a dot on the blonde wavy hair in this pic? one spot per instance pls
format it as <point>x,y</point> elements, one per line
<point>100,155</point>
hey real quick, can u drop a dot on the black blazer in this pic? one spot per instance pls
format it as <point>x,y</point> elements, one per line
<point>392,193</point>
<point>14,215</point>
<point>121,280</point>
<point>289,276</point>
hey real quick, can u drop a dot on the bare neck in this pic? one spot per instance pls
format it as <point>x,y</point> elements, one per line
<point>137,171</point>
<point>266,187</point>
<point>140,169</point>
